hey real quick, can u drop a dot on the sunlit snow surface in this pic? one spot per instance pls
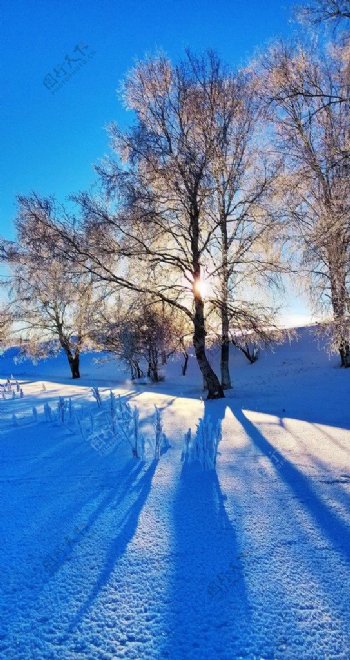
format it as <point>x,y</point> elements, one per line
<point>106,557</point>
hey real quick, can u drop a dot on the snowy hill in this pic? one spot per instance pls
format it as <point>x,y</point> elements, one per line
<point>297,375</point>
<point>105,556</point>
<point>305,349</point>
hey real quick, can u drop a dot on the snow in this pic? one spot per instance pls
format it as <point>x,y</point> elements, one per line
<point>109,557</point>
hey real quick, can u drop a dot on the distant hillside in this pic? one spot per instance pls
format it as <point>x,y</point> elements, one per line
<point>304,349</point>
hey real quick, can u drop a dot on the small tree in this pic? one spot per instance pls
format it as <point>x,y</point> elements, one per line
<point>158,337</point>
<point>144,334</point>
<point>114,332</point>
<point>53,307</point>
<point>251,341</point>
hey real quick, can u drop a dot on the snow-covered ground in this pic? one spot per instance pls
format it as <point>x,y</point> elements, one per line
<point>103,556</point>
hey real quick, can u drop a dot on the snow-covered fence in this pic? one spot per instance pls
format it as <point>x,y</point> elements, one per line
<point>97,396</point>
<point>115,423</point>
<point>161,442</point>
<point>47,412</point>
<point>10,389</point>
<point>203,446</point>
<point>120,424</point>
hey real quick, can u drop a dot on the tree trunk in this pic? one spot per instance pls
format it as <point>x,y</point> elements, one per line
<point>136,371</point>
<point>185,364</point>
<point>225,350</point>
<point>153,365</point>
<point>153,374</point>
<point>74,363</point>
<point>72,357</point>
<point>185,356</point>
<point>339,296</point>
<point>215,390</point>
<point>225,322</point>
<point>344,351</point>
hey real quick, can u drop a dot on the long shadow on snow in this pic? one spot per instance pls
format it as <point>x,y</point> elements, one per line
<point>337,532</point>
<point>72,525</point>
<point>326,472</point>
<point>308,400</point>
<point>210,611</point>
<point>124,534</point>
<point>127,481</point>
<point>62,551</point>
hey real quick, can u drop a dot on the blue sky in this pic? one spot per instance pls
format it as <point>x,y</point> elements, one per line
<point>50,138</point>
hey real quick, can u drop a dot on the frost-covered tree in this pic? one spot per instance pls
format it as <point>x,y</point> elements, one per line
<point>143,336</point>
<point>162,192</point>
<point>53,306</point>
<point>315,189</point>
<point>115,333</point>
<point>250,341</point>
<point>319,11</point>
<point>243,172</point>
<point>5,327</point>
<point>191,190</point>
<point>155,208</point>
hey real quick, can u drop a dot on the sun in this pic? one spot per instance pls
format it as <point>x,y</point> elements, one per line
<point>201,287</point>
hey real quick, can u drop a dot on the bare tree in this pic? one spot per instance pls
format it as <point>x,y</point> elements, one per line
<point>141,335</point>
<point>166,190</point>
<point>185,200</point>
<point>316,187</point>
<point>156,208</point>
<point>319,11</point>
<point>52,306</point>
<point>197,180</point>
<point>243,173</point>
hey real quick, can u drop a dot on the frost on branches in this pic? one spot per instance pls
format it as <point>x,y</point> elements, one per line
<point>54,306</point>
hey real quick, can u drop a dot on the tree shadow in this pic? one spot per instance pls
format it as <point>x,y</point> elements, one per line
<point>127,479</point>
<point>329,523</point>
<point>300,536</point>
<point>324,472</point>
<point>105,496</point>
<point>209,605</point>
<point>126,526</point>
<point>311,398</point>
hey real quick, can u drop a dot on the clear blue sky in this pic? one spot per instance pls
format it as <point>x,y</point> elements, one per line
<point>50,141</point>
